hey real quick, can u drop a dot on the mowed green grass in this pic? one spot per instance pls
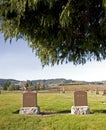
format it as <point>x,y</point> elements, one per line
<point>55,113</point>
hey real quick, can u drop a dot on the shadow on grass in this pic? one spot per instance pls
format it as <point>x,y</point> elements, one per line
<point>63,112</point>
<point>60,112</point>
<point>16,112</point>
<point>48,113</point>
<point>99,111</point>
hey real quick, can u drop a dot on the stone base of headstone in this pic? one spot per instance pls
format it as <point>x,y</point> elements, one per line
<point>29,110</point>
<point>80,110</point>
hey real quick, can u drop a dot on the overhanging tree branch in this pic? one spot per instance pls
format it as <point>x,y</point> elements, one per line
<point>58,30</point>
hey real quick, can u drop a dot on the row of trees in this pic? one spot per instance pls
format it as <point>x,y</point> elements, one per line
<point>8,85</point>
<point>37,86</point>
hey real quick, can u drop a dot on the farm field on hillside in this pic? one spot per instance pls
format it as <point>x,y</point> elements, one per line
<point>55,113</point>
<point>91,87</point>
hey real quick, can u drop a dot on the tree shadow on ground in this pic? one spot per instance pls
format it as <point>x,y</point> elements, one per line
<point>48,113</point>
<point>16,112</point>
<point>98,111</point>
<point>60,112</point>
<point>44,113</point>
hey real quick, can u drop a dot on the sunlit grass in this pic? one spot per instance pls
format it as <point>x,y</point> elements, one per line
<point>56,108</point>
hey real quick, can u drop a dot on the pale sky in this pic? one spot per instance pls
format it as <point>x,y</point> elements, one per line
<point>17,61</point>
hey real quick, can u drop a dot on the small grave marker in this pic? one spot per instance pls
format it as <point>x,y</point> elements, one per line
<point>104,92</point>
<point>97,91</point>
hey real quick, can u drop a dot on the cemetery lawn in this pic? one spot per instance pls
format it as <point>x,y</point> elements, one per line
<point>55,113</point>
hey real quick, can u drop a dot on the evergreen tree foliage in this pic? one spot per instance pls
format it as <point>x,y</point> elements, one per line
<point>11,87</point>
<point>57,30</point>
<point>6,84</point>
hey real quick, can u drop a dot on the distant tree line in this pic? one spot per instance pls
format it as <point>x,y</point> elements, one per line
<point>8,85</point>
<point>34,86</point>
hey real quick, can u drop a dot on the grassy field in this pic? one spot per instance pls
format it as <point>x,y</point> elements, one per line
<point>55,113</point>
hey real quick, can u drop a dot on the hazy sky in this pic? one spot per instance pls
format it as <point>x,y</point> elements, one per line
<point>17,61</point>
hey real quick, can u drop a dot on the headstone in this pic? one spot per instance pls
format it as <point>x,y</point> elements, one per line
<point>29,99</point>
<point>29,103</point>
<point>80,98</point>
<point>63,90</point>
<point>97,91</point>
<point>91,91</point>
<point>104,92</point>
<point>80,103</point>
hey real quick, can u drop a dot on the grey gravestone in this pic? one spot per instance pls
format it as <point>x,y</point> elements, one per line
<point>80,98</point>
<point>80,103</point>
